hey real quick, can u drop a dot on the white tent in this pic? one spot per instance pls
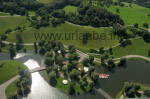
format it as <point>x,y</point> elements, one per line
<point>86,69</point>
<point>65,82</point>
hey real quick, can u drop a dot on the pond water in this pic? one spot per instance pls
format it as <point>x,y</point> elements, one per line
<point>134,71</point>
<point>137,71</point>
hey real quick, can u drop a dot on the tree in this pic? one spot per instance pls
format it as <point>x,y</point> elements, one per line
<point>117,10</point>
<point>91,85</point>
<point>71,89</point>
<point>8,31</point>
<point>94,77</point>
<point>147,92</point>
<point>91,69</point>
<point>42,51</point>
<point>49,61</point>
<point>122,61</point>
<point>131,93</point>
<point>149,53</point>
<point>145,25</point>
<point>91,59</point>
<point>136,25</point>
<point>12,52</point>
<point>35,48</point>
<point>52,76</point>
<point>64,69</point>
<point>110,51</point>
<point>3,37</point>
<point>127,86</point>
<point>49,54</point>
<point>85,61</point>
<point>70,67</point>
<point>111,63</point>
<point>26,90</point>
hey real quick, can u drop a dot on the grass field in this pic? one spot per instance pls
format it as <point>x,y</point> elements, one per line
<point>11,88</point>
<point>132,15</point>
<point>12,23</point>
<point>9,69</point>
<point>46,1</point>
<point>65,30</point>
<point>69,9</point>
<point>138,47</point>
<point>4,14</point>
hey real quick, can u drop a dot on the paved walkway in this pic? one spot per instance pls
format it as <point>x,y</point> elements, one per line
<point>5,85</point>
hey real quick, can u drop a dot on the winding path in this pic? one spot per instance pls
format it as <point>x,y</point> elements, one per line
<point>7,83</point>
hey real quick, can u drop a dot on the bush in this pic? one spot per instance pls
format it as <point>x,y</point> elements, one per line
<point>145,25</point>
<point>136,25</point>
<point>3,37</point>
<point>8,31</point>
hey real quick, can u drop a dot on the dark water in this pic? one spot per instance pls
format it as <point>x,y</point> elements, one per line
<point>40,89</point>
<point>135,71</point>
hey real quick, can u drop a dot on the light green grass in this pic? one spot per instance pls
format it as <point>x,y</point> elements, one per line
<point>135,14</point>
<point>138,47</point>
<point>12,23</point>
<point>65,30</point>
<point>69,9</point>
<point>4,14</point>
<point>65,88</point>
<point>11,88</point>
<point>46,1</point>
<point>9,69</point>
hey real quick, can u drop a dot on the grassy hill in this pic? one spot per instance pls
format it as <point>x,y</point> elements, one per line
<point>138,47</point>
<point>9,69</point>
<point>12,23</point>
<point>132,15</point>
<point>65,30</point>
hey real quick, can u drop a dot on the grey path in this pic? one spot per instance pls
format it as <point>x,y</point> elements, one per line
<point>5,85</point>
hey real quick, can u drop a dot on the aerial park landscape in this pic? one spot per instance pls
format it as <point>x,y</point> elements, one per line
<point>74,49</point>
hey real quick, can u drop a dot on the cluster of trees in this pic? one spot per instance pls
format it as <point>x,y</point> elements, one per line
<point>19,6</point>
<point>23,84</point>
<point>94,16</point>
<point>131,89</point>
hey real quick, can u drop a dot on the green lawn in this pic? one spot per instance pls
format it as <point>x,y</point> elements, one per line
<point>68,30</point>
<point>65,88</point>
<point>12,23</point>
<point>69,9</point>
<point>4,14</point>
<point>9,69</point>
<point>138,47</point>
<point>46,1</point>
<point>135,14</point>
<point>11,88</point>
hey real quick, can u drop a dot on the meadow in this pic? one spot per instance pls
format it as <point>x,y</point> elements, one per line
<point>132,15</point>
<point>138,47</point>
<point>6,68</point>
<point>69,9</point>
<point>68,30</point>
<point>12,23</point>
<point>46,1</point>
